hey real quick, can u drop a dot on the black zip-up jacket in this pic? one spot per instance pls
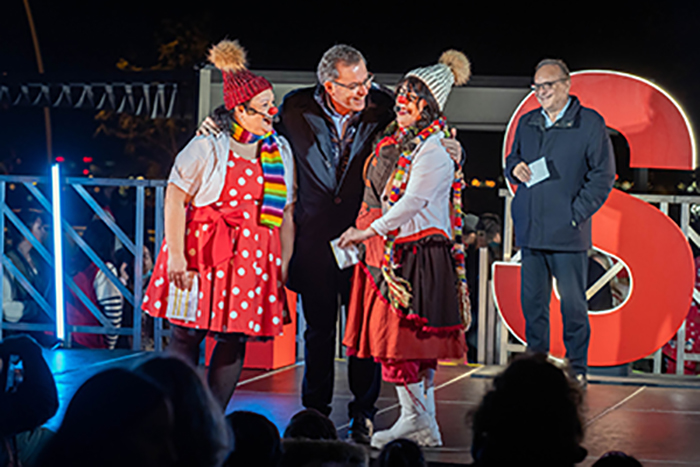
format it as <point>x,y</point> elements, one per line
<point>555,214</point>
<point>326,206</point>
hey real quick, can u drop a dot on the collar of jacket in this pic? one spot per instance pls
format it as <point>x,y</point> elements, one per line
<point>568,120</point>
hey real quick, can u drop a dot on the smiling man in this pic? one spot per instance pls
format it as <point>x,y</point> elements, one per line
<point>563,163</point>
<point>331,128</point>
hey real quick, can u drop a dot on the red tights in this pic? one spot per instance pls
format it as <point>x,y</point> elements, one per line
<point>406,371</point>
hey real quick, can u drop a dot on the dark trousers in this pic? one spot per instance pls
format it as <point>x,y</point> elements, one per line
<point>364,374</point>
<point>570,270</point>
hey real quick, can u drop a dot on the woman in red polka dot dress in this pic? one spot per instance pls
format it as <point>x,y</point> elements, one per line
<point>228,230</point>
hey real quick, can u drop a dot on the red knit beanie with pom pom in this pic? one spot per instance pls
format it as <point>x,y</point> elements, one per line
<point>240,84</point>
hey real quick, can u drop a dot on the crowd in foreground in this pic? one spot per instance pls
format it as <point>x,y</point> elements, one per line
<point>162,413</point>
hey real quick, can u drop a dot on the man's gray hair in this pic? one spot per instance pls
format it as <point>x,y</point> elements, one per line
<point>556,62</point>
<point>341,53</point>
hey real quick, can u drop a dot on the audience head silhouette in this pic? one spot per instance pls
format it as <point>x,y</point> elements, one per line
<point>257,441</point>
<point>201,434</point>
<point>310,424</point>
<point>530,417</point>
<point>116,418</point>
<point>401,453</point>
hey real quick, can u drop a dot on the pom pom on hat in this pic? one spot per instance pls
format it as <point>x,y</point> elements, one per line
<point>240,84</point>
<point>453,69</point>
<point>228,56</point>
<point>458,64</point>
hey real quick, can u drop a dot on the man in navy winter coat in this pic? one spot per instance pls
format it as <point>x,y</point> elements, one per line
<point>552,216</point>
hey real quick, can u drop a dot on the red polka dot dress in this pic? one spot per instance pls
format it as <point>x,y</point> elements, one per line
<point>238,260</point>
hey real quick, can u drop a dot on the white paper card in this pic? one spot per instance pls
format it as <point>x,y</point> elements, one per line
<point>182,304</point>
<point>539,172</point>
<point>345,257</point>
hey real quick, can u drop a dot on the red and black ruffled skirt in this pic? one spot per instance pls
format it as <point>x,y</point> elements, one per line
<point>432,327</point>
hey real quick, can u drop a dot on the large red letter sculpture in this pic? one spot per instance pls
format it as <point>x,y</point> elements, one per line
<point>652,246</point>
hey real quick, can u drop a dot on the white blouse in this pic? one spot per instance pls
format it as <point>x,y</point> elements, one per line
<point>426,202</point>
<point>200,168</point>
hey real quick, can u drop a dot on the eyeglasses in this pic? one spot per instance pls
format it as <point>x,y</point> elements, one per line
<point>545,86</point>
<point>355,86</point>
<point>409,96</point>
<point>271,111</point>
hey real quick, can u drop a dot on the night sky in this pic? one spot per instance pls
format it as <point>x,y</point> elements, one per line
<point>655,40</point>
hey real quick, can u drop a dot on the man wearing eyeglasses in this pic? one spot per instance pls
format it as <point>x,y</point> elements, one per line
<point>563,163</point>
<point>331,128</point>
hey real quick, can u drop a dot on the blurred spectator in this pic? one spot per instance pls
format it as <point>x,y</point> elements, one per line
<point>488,230</point>
<point>310,424</point>
<point>115,419</point>
<point>469,229</point>
<point>617,459</point>
<point>534,394</point>
<point>313,453</point>
<point>99,289</point>
<point>692,338</point>
<point>488,234</point>
<point>401,453</point>
<point>124,257</point>
<point>28,398</point>
<point>18,305</point>
<point>201,435</point>
<point>256,439</point>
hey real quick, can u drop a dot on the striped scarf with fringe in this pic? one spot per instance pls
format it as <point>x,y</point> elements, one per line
<point>399,288</point>
<point>274,188</point>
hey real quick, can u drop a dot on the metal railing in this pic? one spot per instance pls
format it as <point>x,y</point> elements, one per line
<point>494,343</point>
<point>78,187</point>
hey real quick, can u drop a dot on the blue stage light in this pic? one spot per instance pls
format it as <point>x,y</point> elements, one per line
<point>57,250</point>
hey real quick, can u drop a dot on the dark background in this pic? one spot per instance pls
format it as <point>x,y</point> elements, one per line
<point>655,40</point>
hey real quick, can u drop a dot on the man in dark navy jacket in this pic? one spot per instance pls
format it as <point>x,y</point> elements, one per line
<point>332,128</point>
<point>552,208</point>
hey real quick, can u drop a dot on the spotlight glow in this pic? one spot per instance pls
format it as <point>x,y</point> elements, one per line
<point>57,250</point>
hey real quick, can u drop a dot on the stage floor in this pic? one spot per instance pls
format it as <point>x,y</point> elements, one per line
<point>655,419</point>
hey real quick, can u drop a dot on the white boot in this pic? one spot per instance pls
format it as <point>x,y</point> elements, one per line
<point>414,422</point>
<point>430,408</point>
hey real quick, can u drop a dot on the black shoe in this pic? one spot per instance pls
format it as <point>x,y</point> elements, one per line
<point>361,429</point>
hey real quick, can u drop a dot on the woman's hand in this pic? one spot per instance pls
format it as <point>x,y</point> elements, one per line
<point>453,147</point>
<point>353,236</point>
<point>177,271</point>
<point>123,275</point>
<point>175,201</point>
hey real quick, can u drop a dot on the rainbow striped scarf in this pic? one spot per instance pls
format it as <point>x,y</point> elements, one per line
<point>274,189</point>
